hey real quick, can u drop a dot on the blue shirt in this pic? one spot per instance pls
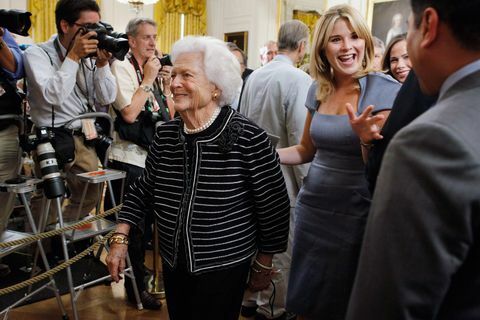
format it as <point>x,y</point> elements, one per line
<point>17,54</point>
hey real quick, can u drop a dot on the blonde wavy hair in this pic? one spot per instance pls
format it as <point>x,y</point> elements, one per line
<point>320,68</point>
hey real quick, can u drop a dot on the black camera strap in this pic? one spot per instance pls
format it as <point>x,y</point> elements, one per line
<point>56,43</point>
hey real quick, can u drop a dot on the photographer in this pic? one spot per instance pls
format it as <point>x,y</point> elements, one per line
<point>139,94</point>
<point>11,63</point>
<point>64,84</point>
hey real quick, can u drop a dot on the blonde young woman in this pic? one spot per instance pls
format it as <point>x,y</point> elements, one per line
<point>333,203</point>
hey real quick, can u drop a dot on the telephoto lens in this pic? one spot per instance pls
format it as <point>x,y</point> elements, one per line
<point>53,185</point>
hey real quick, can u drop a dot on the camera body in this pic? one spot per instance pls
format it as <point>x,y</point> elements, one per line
<point>53,185</point>
<point>114,42</point>
<point>41,135</point>
<point>16,21</point>
<point>165,60</point>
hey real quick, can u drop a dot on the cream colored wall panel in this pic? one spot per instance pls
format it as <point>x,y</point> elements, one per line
<point>13,4</point>
<point>257,17</point>
<point>118,14</point>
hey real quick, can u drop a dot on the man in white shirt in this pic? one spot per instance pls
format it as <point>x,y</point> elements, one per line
<point>137,78</point>
<point>274,98</point>
<point>63,84</point>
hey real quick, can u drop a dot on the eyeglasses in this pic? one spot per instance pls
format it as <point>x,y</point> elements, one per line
<point>80,25</point>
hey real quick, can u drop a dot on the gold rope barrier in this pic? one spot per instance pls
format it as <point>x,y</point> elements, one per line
<point>56,269</point>
<point>55,232</point>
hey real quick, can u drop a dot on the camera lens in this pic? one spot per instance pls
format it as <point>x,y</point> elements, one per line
<point>53,186</point>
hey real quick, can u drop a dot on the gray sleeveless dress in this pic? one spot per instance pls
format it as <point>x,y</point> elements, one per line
<point>332,208</point>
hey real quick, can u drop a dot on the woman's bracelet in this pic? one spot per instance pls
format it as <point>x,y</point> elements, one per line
<point>118,239</point>
<point>262,265</point>
<point>366,145</point>
<point>262,272</point>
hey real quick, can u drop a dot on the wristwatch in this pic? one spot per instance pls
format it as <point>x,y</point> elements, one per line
<point>147,88</point>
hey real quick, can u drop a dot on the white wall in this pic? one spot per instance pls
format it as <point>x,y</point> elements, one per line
<point>118,14</point>
<point>13,4</point>
<point>257,17</point>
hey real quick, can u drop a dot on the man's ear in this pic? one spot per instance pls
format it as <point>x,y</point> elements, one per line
<point>429,27</point>
<point>64,25</point>
<point>131,41</point>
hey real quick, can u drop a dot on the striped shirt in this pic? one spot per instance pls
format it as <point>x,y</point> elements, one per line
<point>220,191</point>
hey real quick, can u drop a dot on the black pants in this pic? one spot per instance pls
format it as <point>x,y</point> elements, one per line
<point>136,248</point>
<point>215,295</point>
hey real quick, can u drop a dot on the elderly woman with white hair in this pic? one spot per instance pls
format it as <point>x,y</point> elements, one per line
<point>213,180</point>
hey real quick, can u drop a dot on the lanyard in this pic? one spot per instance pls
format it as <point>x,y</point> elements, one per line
<point>139,73</point>
<point>56,44</point>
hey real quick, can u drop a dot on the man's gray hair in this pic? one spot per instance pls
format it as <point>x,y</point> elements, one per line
<point>133,24</point>
<point>291,34</point>
<point>233,47</point>
<point>220,65</point>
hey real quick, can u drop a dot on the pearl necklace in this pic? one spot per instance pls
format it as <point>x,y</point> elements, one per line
<point>205,125</point>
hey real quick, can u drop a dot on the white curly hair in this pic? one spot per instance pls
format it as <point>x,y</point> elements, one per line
<point>220,65</point>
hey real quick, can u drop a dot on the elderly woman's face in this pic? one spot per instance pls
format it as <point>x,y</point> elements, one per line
<point>190,87</point>
<point>344,50</point>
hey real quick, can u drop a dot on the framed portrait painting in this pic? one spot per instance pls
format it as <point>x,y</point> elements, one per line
<point>239,38</point>
<point>388,18</point>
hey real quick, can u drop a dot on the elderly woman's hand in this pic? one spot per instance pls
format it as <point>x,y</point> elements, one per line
<point>116,260</point>
<point>259,279</point>
<point>366,126</point>
<point>261,272</point>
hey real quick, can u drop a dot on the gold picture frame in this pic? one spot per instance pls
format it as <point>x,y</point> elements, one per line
<point>388,17</point>
<point>239,38</point>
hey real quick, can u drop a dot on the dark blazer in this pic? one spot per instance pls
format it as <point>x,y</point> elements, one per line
<point>421,253</point>
<point>408,105</point>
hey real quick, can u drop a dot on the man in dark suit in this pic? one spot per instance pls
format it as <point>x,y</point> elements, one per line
<point>421,253</point>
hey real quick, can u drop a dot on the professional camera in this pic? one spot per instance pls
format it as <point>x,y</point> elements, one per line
<point>165,60</point>
<point>113,33</point>
<point>53,185</point>
<point>41,135</point>
<point>113,42</point>
<point>16,21</point>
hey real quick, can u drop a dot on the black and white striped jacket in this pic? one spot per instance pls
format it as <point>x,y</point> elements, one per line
<point>227,202</point>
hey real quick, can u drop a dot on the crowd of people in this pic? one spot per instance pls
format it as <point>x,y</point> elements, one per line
<point>348,192</point>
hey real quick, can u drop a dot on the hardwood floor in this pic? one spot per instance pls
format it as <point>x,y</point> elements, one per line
<point>96,303</point>
<point>100,302</point>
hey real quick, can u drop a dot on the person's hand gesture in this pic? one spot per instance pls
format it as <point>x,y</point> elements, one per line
<point>259,279</point>
<point>151,69</point>
<point>366,125</point>
<point>165,74</point>
<point>83,46</point>
<point>116,260</point>
<point>102,57</point>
